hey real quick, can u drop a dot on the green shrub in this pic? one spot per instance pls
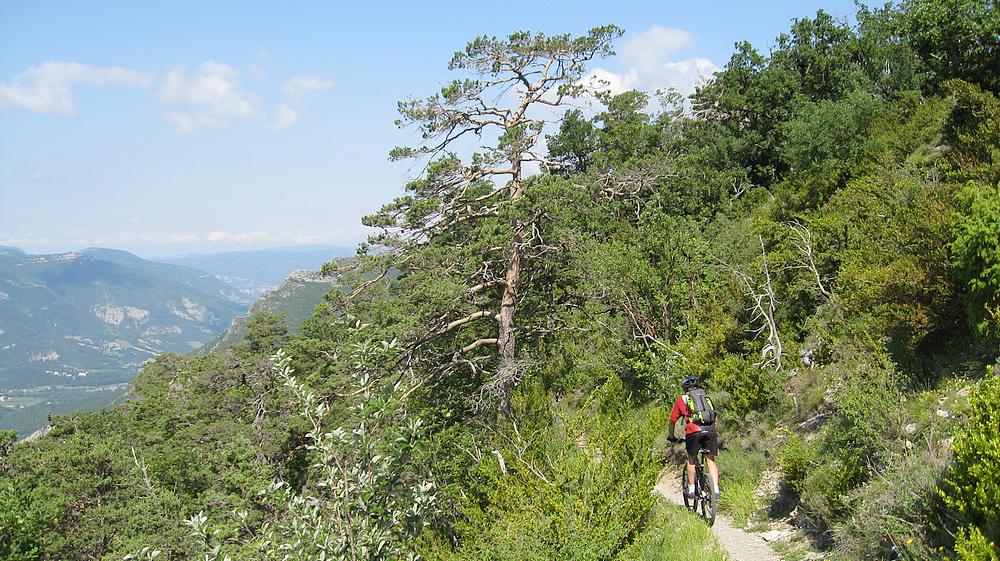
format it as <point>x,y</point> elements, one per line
<point>868,411</point>
<point>975,253</point>
<point>972,489</point>
<point>796,458</point>
<point>824,495</point>
<point>650,375</point>
<point>900,509</point>
<point>750,388</point>
<point>972,545</point>
<point>578,489</point>
<point>20,528</point>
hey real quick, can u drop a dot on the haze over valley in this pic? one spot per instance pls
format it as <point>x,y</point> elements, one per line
<point>76,327</point>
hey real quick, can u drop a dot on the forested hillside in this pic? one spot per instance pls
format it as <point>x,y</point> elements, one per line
<point>292,302</point>
<point>76,327</point>
<point>814,234</point>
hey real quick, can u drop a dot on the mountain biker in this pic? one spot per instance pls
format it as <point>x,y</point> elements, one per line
<point>698,436</point>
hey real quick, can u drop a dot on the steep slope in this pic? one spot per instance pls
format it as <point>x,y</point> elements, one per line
<point>295,300</point>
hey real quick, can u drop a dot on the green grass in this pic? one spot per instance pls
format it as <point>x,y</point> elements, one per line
<point>673,534</point>
<point>740,473</point>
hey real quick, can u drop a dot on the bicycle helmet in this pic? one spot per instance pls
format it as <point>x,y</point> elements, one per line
<point>690,382</point>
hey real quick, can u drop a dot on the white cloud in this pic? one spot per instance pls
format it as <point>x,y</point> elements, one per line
<point>213,97</point>
<point>210,98</point>
<point>46,88</point>
<point>258,236</point>
<point>187,123</point>
<point>298,89</point>
<point>686,75</point>
<point>651,64</point>
<point>301,87</point>
<point>286,117</point>
<point>645,51</point>
<point>600,79</point>
<point>12,241</point>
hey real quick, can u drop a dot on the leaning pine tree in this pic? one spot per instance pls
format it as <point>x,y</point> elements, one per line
<point>512,86</point>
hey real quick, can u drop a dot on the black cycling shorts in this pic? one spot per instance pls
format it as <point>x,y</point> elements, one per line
<point>707,439</point>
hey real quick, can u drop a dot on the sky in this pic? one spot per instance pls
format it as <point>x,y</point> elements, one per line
<point>167,128</point>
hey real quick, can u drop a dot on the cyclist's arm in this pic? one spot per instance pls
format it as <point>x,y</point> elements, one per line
<point>676,413</point>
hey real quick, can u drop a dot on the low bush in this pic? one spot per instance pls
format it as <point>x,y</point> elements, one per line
<point>824,497</point>
<point>971,489</point>
<point>868,412</point>
<point>796,458</point>
<point>750,388</point>
<point>576,489</point>
<point>972,545</point>
<point>900,508</point>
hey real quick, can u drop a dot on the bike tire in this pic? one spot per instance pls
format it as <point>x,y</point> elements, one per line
<point>709,502</point>
<point>691,503</point>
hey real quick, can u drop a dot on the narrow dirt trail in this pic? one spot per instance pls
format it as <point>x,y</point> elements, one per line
<point>739,544</point>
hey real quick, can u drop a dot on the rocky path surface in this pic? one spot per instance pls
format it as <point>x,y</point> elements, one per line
<point>739,544</point>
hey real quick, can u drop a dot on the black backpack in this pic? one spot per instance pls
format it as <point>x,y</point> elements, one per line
<point>700,406</point>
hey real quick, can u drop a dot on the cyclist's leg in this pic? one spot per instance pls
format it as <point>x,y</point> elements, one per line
<point>713,470</point>
<point>690,470</point>
<point>691,446</point>
<point>711,443</point>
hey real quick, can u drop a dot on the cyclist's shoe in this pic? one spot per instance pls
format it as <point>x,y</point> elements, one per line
<point>689,493</point>
<point>717,494</point>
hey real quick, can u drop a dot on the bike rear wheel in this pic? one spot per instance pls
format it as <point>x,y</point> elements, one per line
<point>691,503</point>
<point>709,500</point>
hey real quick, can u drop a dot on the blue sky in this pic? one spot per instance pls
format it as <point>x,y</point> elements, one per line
<point>191,127</point>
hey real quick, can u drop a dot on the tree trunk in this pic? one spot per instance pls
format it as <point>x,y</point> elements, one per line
<point>506,339</point>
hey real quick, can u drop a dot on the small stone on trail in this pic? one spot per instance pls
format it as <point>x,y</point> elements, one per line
<point>775,535</point>
<point>942,413</point>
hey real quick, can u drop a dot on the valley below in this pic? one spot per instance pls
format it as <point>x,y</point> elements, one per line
<point>75,328</point>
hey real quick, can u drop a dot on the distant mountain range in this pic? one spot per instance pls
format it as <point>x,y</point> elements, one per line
<point>76,327</point>
<point>254,272</point>
<point>79,325</point>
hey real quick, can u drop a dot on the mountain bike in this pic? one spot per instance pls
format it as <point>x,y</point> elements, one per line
<point>703,495</point>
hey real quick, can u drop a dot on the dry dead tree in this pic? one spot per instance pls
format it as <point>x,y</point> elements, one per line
<point>808,260</point>
<point>764,310</point>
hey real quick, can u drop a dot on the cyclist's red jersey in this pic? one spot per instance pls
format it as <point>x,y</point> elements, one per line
<point>681,410</point>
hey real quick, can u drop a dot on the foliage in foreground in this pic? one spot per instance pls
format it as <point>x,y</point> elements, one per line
<point>359,499</point>
<point>971,489</point>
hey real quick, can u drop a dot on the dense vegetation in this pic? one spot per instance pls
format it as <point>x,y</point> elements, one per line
<point>815,234</point>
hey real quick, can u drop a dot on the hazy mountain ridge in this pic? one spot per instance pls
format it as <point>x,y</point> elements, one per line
<point>86,321</point>
<point>257,271</point>
<point>295,299</point>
